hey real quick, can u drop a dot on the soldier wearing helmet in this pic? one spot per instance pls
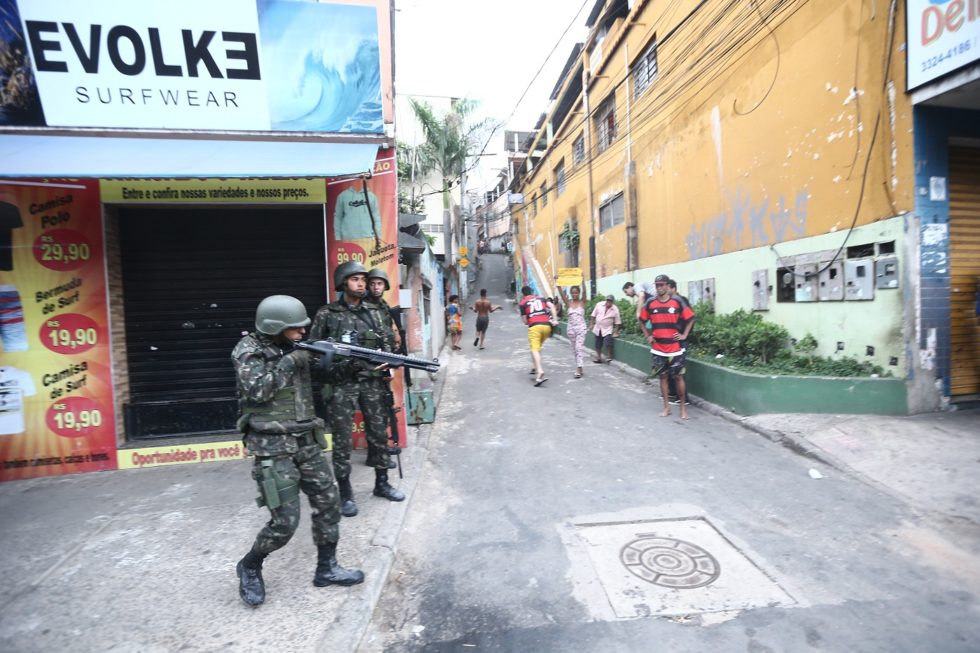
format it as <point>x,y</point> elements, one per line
<point>355,385</point>
<point>390,319</point>
<point>287,439</point>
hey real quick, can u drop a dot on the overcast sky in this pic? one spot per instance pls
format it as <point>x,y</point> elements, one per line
<point>486,51</point>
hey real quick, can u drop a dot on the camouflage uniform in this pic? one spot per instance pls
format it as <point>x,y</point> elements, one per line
<point>278,418</point>
<point>388,328</point>
<point>354,384</point>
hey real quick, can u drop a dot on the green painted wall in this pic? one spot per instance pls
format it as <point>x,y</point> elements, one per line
<point>857,324</point>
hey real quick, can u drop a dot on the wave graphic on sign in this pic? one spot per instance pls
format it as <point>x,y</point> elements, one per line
<point>332,101</point>
<point>328,67</point>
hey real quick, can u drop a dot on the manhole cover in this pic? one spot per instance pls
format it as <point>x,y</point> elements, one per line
<point>670,562</point>
<point>667,567</point>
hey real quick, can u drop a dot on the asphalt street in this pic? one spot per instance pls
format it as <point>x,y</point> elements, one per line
<point>571,517</point>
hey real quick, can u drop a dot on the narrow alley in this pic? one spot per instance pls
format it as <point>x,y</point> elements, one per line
<point>571,517</point>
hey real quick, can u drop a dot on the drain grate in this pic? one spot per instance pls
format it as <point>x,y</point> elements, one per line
<point>674,566</point>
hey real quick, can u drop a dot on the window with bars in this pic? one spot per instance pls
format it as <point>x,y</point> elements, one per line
<point>578,150</point>
<point>543,192</point>
<point>612,213</point>
<point>560,180</point>
<point>605,124</point>
<point>645,70</point>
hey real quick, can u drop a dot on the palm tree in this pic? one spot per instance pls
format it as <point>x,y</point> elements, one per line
<point>448,141</point>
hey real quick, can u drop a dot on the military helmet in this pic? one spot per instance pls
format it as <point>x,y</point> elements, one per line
<point>277,313</point>
<point>344,270</point>
<point>378,273</point>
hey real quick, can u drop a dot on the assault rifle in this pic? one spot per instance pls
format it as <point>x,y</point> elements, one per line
<point>328,349</point>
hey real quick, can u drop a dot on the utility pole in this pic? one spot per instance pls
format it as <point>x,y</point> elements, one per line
<point>593,287</point>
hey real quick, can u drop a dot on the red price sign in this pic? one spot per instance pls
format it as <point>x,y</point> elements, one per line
<point>70,333</point>
<point>74,417</point>
<point>346,252</point>
<point>62,249</point>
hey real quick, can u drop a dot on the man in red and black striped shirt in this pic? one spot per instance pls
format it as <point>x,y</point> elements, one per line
<point>666,321</point>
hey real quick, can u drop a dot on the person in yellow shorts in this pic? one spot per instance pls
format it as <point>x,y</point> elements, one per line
<point>539,314</point>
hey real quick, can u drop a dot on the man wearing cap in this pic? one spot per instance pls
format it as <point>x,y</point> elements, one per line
<point>666,322</point>
<point>606,322</point>
<point>286,437</point>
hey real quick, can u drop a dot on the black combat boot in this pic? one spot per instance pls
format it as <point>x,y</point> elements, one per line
<point>347,506</point>
<point>328,572</point>
<point>382,489</point>
<point>251,587</point>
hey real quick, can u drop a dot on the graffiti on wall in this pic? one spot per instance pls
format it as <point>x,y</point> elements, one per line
<point>745,222</point>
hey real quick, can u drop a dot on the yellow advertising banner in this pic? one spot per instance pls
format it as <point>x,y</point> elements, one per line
<point>222,191</point>
<point>569,277</point>
<point>183,454</point>
<point>56,402</point>
<point>179,454</point>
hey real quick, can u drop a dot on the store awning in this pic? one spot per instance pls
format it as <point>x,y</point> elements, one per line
<point>105,157</point>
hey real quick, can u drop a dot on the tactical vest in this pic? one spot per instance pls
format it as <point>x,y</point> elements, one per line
<point>290,410</point>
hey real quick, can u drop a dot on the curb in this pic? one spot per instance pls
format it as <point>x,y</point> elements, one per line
<point>349,626</point>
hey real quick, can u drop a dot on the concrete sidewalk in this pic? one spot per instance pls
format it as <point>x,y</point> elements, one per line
<point>144,560</point>
<point>930,461</point>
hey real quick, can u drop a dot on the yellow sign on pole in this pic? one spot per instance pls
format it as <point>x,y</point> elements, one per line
<point>463,250</point>
<point>463,262</point>
<point>569,277</point>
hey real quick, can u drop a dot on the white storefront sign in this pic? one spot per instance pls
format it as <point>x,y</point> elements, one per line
<point>943,36</point>
<point>278,65</point>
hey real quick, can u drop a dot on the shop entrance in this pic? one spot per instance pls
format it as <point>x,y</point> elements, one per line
<point>191,279</point>
<point>964,259</point>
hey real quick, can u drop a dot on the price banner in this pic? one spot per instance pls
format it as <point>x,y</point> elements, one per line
<point>56,403</point>
<point>362,226</point>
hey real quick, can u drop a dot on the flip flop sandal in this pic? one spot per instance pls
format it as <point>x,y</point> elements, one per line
<point>538,382</point>
<point>578,376</point>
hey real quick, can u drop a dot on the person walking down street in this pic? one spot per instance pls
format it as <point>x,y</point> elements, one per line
<point>355,384</point>
<point>454,321</point>
<point>539,314</point>
<point>287,439</point>
<point>389,319</point>
<point>606,322</point>
<point>483,308</point>
<point>666,323</point>
<point>576,325</point>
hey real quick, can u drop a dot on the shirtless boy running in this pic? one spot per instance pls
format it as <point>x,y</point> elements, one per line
<point>483,308</point>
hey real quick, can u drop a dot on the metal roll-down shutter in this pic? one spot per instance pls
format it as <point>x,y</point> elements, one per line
<point>192,278</point>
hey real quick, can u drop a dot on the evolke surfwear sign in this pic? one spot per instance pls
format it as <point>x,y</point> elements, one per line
<point>229,65</point>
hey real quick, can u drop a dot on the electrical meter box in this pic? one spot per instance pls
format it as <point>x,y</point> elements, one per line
<point>831,282</point>
<point>859,280</point>
<point>760,290</point>
<point>886,272</point>
<point>708,291</point>
<point>420,407</point>
<point>805,279</point>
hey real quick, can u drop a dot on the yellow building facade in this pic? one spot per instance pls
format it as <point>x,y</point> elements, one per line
<point>764,154</point>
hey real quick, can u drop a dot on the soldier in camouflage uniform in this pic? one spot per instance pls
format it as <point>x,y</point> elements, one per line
<point>287,439</point>
<point>378,284</point>
<point>355,384</point>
